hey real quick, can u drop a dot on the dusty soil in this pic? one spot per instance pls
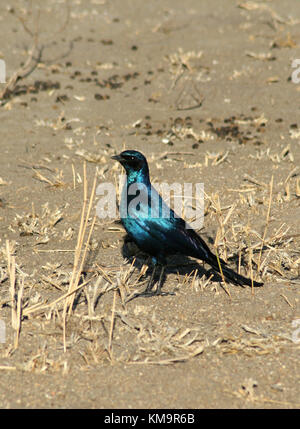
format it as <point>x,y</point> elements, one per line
<point>204,90</point>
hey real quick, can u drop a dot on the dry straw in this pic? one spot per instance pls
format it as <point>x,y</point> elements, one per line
<point>78,258</point>
<point>80,254</point>
<point>16,294</point>
<point>266,227</point>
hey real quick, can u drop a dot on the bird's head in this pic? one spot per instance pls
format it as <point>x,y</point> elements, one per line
<point>133,161</point>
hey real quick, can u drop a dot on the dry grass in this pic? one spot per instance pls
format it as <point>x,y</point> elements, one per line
<point>84,311</point>
<point>152,343</point>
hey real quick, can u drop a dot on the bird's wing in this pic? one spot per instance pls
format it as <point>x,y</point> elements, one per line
<point>182,236</point>
<point>174,236</point>
<point>168,231</point>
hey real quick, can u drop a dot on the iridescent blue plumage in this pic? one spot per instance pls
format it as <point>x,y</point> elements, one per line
<point>155,227</point>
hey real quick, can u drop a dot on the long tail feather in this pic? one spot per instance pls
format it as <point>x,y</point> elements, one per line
<point>233,276</point>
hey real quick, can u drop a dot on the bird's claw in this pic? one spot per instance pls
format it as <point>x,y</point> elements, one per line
<point>160,293</point>
<point>148,294</point>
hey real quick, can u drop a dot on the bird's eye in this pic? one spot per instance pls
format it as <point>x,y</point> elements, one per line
<point>129,157</point>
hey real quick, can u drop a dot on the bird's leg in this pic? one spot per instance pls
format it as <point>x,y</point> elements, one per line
<point>147,291</point>
<point>150,285</point>
<point>159,285</point>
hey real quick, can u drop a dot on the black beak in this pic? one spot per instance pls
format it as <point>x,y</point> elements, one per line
<point>117,157</point>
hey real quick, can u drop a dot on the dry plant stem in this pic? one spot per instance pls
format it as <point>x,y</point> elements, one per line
<point>29,66</point>
<point>19,312</point>
<point>112,325</point>
<point>78,265</point>
<point>105,275</point>
<point>82,262</point>
<point>11,265</point>
<point>222,275</point>
<point>251,270</point>
<point>250,255</point>
<point>80,237</point>
<point>41,307</point>
<point>194,278</point>
<point>170,361</point>
<point>221,231</point>
<point>286,300</point>
<point>266,227</point>
<point>16,295</point>
<point>74,177</point>
<point>7,368</point>
<point>77,268</point>
<point>34,55</point>
<point>240,261</point>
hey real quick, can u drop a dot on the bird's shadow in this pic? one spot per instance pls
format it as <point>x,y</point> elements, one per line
<point>177,264</point>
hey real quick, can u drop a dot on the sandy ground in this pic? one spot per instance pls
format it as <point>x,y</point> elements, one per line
<point>204,90</point>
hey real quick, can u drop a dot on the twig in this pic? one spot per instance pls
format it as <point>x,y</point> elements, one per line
<point>194,278</point>
<point>39,307</point>
<point>19,311</point>
<point>35,53</point>
<point>78,265</point>
<point>29,66</point>
<point>266,227</point>
<point>286,300</point>
<point>15,295</point>
<point>7,368</point>
<point>109,349</point>
<point>222,275</point>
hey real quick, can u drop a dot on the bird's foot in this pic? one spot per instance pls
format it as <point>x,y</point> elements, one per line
<point>145,294</point>
<point>161,293</point>
<point>148,293</point>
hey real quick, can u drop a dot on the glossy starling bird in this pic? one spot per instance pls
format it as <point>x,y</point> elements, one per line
<point>155,233</point>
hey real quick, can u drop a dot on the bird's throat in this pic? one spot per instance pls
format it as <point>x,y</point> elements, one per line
<point>141,176</point>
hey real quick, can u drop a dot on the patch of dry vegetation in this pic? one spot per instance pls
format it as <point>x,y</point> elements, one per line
<point>87,310</point>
